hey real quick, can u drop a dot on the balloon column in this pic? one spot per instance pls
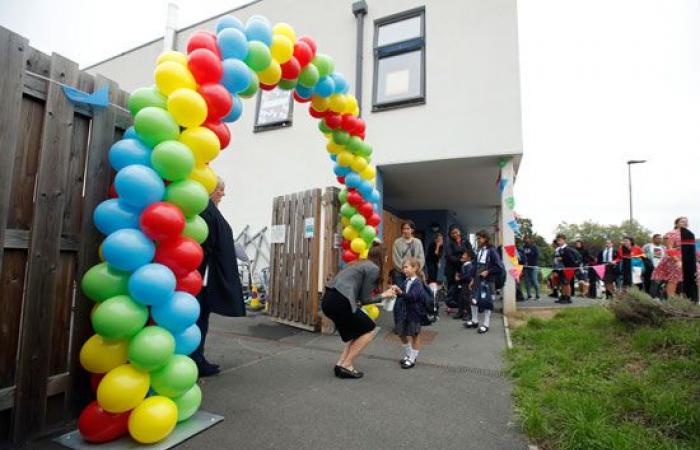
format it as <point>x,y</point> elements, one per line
<point>145,313</point>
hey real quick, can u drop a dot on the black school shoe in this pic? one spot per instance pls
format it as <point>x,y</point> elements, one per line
<point>207,369</point>
<point>482,329</point>
<point>470,324</point>
<point>408,364</point>
<point>348,374</point>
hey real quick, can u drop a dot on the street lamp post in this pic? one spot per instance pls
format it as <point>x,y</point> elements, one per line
<point>629,181</point>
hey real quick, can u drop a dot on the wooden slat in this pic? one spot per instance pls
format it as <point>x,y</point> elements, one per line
<point>276,260</point>
<point>11,290</point>
<point>63,304</point>
<point>303,260</point>
<point>19,239</point>
<point>287,258</point>
<point>294,324</point>
<point>33,360</point>
<point>13,58</point>
<point>102,134</point>
<point>315,257</point>
<point>296,255</point>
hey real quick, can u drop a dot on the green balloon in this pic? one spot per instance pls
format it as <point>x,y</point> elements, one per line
<point>354,144</point>
<point>287,85</point>
<point>323,128</point>
<point>343,195</point>
<point>368,234</point>
<point>309,76</point>
<point>347,210</point>
<point>258,57</point>
<point>151,348</point>
<point>188,403</point>
<point>196,228</point>
<point>173,160</point>
<point>102,282</point>
<point>323,63</point>
<point>119,317</point>
<point>176,377</point>
<point>252,88</point>
<point>188,195</point>
<point>155,125</point>
<point>365,150</point>
<point>144,97</point>
<point>341,137</point>
<point>358,222</point>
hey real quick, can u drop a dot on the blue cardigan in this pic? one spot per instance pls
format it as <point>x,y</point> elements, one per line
<point>410,306</point>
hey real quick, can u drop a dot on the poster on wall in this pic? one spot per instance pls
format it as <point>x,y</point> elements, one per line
<point>274,109</point>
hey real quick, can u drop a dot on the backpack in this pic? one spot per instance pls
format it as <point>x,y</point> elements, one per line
<point>430,306</point>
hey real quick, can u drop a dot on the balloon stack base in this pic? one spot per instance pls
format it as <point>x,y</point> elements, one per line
<point>196,424</point>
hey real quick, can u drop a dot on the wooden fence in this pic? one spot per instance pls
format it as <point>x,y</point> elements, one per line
<point>53,172</point>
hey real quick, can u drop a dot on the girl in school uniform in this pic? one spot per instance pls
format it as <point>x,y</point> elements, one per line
<point>409,310</point>
<point>488,268</point>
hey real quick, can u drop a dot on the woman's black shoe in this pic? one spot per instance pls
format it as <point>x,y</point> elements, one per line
<point>347,373</point>
<point>336,370</point>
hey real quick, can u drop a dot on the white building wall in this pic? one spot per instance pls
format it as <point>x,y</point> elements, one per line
<point>472,96</point>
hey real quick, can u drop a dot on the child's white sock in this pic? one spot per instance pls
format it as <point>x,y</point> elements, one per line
<point>414,355</point>
<point>487,318</point>
<point>475,313</point>
<point>407,350</point>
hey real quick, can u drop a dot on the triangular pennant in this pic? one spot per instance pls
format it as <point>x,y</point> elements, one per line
<point>600,270</point>
<point>98,98</point>
<point>502,183</point>
<point>514,225</point>
<point>510,202</point>
<point>502,162</point>
<point>510,250</point>
<point>514,260</point>
<point>546,272</point>
<point>515,272</point>
<point>569,273</point>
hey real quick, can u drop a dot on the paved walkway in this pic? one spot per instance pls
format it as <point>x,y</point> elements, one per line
<point>277,391</point>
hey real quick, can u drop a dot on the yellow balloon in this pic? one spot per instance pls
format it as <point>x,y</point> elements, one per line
<point>358,164</point>
<point>205,176</point>
<point>172,55</point>
<point>282,48</point>
<point>171,76</point>
<point>271,75</point>
<point>285,30</point>
<point>350,104</point>
<point>100,254</point>
<point>203,142</point>
<point>345,158</point>
<point>187,107</point>
<point>368,173</point>
<point>334,148</point>
<point>319,103</point>
<point>358,245</point>
<point>337,102</point>
<point>364,254</point>
<point>153,419</point>
<point>372,311</point>
<point>122,389</point>
<point>356,111</point>
<point>100,356</point>
<point>350,233</point>
<point>345,221</point>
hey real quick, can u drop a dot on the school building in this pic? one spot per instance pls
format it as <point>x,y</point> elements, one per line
<point>438,86</point>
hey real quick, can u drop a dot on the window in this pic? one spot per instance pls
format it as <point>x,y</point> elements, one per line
<point>274,109</point>
<point>399,60</point>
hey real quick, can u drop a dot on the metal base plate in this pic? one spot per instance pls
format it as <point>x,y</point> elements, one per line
<point>183,431</point>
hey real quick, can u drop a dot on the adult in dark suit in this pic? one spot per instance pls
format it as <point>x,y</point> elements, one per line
<point>221,292</point>
<point>609,257</point>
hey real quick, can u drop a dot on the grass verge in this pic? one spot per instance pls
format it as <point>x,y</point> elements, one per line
<point>583,380</point>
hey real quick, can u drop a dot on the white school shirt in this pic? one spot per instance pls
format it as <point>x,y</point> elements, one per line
<point>409,282</point>
<point>608,255</point>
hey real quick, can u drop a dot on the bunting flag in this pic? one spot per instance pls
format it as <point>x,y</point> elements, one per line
<point>510,202</point>
<point>569,272</point>
<point>510,250</point>
<point>514,260</point>
<point>502,162</point>
<point>546,272</point>
<point>513,224</point>
<point>98,98</point>
<point>502,183</point>
<point>600,270</point>
<point>515,272</point>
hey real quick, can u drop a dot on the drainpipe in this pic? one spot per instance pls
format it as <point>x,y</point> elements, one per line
<point>170,27</point>
<point>359,9</point>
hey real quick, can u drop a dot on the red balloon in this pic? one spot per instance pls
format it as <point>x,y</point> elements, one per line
<point>355,199</point>
<point>316,114</point>
<point>333,121</point>
<point>349,256</point>
<point>308,40</point>
<point>203,39</point>
<point>181,254</point>
<point>291,69</point>
<point>97,425</point>
<point>366,209</point>
<point>346,244</point>
<point>161,221</point>
<point>300,99</point>
<point>303,53</point>
<point>219,100</point>
<point>192,283</point>
<point>221,131</point>
<point>205,66</point>
<point>361,135</point>
<point>359,127</point>
<point>374,220</point>
<point>349,122</point>
<point>113,191</point>
<point>267,87</point>
<point>341,180</point>
<point>95,379</point>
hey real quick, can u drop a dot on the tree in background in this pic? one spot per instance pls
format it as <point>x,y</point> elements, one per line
<point>594,234</point>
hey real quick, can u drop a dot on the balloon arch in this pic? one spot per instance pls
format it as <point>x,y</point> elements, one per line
<point>145,313</point>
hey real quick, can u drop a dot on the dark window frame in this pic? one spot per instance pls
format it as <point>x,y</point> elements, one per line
<point>398,48</point>
<point>276,125</point>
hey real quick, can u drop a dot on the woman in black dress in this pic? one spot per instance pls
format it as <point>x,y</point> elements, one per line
<point>433,257</point>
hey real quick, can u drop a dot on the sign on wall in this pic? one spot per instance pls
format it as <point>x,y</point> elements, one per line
<point>274,109</point>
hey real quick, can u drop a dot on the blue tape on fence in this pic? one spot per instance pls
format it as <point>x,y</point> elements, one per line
<point>99,98</point>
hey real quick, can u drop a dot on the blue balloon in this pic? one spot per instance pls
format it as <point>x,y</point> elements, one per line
<point>229,22</point>
<point>237,75</point>
<point>112,215</point>
<point>128,249</point>
<point>341,85</point>
<point>334,157</point>
<point>139,186</point>
<point>375,197</point>
<point>325,87</point>
<point>365,189</point>
<point>178,313</point>
<point>303,91</point>
<point>259,18</point>
<point>257,30</point>
<point>127,152</point>
<point>236,110</point>
<point>353,180</point>
<point>130,133</point>
<point>152,284</point>
<point>341,171</point>
<point>232,43</point>
<point>187,341</point>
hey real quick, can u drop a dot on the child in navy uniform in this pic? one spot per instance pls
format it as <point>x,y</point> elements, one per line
<point>466,278</point>
<point>410,310</point>
<point>488,268</point>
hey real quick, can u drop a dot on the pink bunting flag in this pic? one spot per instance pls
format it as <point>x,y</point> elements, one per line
<point>515,272</point>
<point>600,270</point>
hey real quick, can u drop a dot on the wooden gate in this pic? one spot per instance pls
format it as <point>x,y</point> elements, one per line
<point>297,260</point>
<point>53,172</point>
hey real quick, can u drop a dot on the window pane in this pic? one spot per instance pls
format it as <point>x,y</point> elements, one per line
<point>399,77</point>
<point>274,107</point>
<point>399,31</point>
